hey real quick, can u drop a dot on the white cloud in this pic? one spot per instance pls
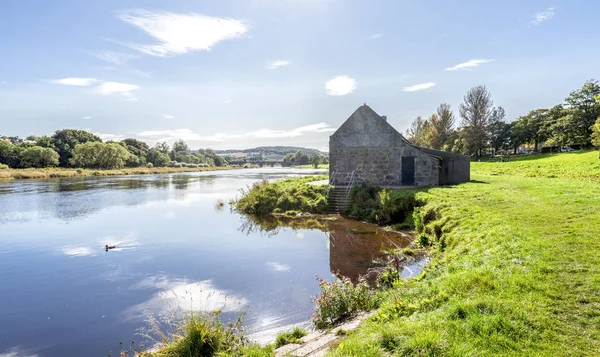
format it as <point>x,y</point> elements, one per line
<point>340,85</point>
<point>86,118</point>
<point>376,36</point>
<point>279,267</point>
<point>277,64</point>
<point>17,351</point>
<point>167,116</point>
<point>107,137</point>
<point>182,296</point>
<point>182,33</point>
<point>228,100</point>
<point>74,81</point>
<point>418,87</point>
<point>540,17</point>
<point>117,58</point>
<point>124,89</point>
<point>469,64</point>
<point>188,134</point>
<point>77,251</point>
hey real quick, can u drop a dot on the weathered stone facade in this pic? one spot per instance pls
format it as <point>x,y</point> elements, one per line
<point>371,148</point>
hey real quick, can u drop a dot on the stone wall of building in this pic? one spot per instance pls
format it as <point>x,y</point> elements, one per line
<point>381,165</point>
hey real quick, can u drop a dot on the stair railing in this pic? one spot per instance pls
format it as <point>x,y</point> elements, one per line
<point>350,184</point>
<point>331,181</point>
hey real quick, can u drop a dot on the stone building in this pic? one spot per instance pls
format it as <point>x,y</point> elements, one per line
<point>378,154</point>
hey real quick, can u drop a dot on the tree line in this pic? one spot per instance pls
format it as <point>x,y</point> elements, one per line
<point>483,128</point>
<point>79,148</point>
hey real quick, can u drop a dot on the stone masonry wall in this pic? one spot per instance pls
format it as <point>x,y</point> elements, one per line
<point>381,165</point>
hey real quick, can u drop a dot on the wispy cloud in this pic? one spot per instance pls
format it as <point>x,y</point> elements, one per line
<point>418,87</point>
<point>117,58</point>
<point>375,36</point>
<point>167,116</point>
<point>108,137</point>
<point>86,118</point>
<point>17,351</point>
<point>76,252</point>
<point>340,85</point>
<point>540,17</point>
<point>74,81</point>
<point>279,267</point>
<point>124,89</point>
<point>176,34</point>
<point>469,64</point>
<point>188,134</point>
<point>277,64</point>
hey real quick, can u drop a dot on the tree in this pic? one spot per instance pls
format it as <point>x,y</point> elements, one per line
<point>45,142</point>
<point>315,160</point>
<point>584,109</point>
<point>162,147</point>
<point>219,161</point>
<point>9,154</point>
<point>100,155</point>
<point>158,158</point>
<point>441,126</point>
<point>65,141</point>
<point>289,158</point>
<point>181,146</point>
<point>596,135</point>
<point>301,158</point>
<point>39,157</point>
<point>475,112</point>
<point>498,130</point>
<point>418,132</point>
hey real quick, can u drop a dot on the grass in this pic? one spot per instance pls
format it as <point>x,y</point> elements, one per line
<point>288,337</point>
<point>514,270</point>
<point>293,194</point>
<point>10,174</point>
<point>311,166</point>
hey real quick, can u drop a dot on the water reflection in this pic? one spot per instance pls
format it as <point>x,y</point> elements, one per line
<point>355,248</point>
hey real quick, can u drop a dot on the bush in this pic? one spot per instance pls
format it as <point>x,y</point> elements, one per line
<point>79,171</point>
<point>341,299</point>
<point>374,205</point>
<point>149,165</point>
<point>3,167</point>
<point>294,336</point>
<point>294,194</point>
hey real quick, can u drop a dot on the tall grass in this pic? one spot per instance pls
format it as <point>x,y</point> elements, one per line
<point>9,174</point>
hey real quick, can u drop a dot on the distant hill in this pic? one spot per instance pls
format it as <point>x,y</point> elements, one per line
<point>269,153</point>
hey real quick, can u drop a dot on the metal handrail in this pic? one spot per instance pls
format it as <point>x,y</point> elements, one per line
<point>350,184</point>
<point>331,181</point>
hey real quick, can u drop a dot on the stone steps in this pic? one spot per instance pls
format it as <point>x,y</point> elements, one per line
<point>317,343</point>
<point>337,199</point>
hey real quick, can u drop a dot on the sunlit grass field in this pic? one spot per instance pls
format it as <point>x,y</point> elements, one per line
<point>515,269</point>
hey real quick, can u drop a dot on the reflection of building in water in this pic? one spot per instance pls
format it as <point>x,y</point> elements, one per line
<point>354,247</point>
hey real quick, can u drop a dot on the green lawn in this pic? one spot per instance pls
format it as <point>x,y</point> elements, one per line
<point>515,270</point>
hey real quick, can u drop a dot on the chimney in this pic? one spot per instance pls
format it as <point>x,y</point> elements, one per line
<point>384,117</point>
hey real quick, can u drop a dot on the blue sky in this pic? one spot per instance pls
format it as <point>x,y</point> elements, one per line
<point>236,74</point>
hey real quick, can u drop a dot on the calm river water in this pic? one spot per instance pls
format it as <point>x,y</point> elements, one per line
<point>63,295</point>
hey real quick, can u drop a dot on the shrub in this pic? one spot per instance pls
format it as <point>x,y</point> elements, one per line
<point>294,336</point>
<point>294,194</point>
<point>79,171</point>
<point>3,167</point>
<point>374,205</point>
<point>341,299</point>
<point>149,165</point>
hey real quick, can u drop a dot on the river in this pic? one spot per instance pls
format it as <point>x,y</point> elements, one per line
<point>63,295</point>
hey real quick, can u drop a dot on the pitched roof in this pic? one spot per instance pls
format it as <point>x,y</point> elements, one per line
<point>366,120</point>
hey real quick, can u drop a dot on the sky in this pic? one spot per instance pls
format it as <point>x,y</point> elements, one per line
<point>244,73</point>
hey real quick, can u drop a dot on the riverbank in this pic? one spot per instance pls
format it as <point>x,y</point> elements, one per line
<point>514,269</point>
<point>14,174</point>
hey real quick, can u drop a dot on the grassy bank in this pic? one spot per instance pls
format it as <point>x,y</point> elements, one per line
<point>515,267</point>
<point>289,195</point>
<point>10,174</point>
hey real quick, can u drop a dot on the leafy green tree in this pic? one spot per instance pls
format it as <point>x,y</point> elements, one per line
<point>418,133</point>
<point>220,161</point>
<point>163,147</point>
<point>45,142</point>
<point>38,157</point>
<point>585,110</point>
<point>100,155</point>
<point>315,160</point>
<point>596,135</point>
<point>65,141</point>
<point>476,111</point>
<point>498,130</point>
<point>441,127</point>
<point>301,158</point>
<point>158,158</point>
<point>289,158</point>
<point>9,154</point>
